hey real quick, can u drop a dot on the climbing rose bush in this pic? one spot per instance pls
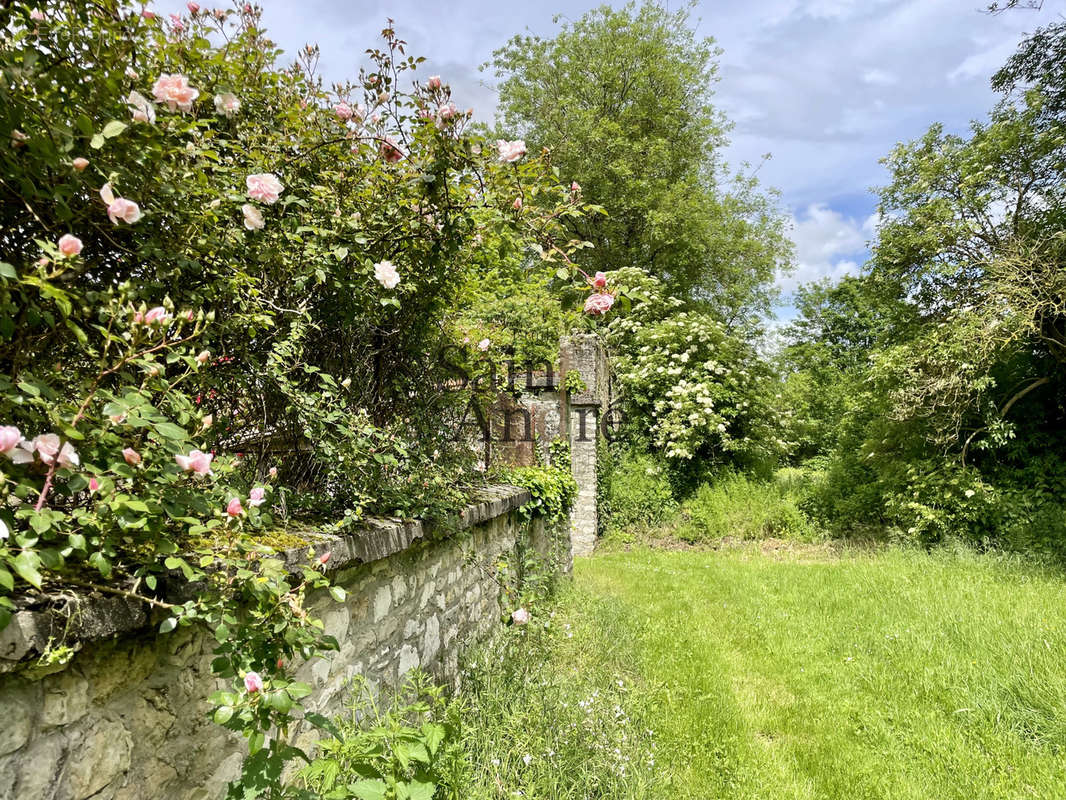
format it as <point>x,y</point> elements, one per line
<point>173,191</point>
<point>224,290</point>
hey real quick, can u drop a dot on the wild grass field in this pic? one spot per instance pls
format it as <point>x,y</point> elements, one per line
<point>801,671</point>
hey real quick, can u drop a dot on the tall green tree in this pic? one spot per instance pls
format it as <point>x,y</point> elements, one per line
<point>622,100</point>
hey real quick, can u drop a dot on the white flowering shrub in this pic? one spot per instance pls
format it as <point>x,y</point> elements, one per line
<point>691,388</point>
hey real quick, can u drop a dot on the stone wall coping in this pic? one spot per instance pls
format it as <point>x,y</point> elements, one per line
<point>78,617</point>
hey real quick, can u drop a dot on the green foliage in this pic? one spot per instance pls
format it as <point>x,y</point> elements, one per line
<point>735,505</point>
<point>408,748</point>
<point>931,382</point>
<point>621,98</point>
<point>552,486</point>
<point>573,383</point>
<point>222,343</point>
<point>639,492</point>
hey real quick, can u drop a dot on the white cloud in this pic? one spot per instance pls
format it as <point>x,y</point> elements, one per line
<point>828,245</point>
<point>879,77</point>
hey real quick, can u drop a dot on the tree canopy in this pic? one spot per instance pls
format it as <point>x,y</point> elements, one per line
<point>622,100</point>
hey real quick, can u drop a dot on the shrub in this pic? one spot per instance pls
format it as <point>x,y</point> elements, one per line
<point>222,298</point>
<point>738,506</point>
<point>407,746</point>
<point>691,387</point>
<point>639,493</point>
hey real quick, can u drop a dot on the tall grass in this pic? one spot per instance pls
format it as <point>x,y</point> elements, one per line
<point>735,505</point>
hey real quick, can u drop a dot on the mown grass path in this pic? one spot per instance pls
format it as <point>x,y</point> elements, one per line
<point>810,674</point>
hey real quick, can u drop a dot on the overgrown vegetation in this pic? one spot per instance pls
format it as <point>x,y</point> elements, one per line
<point>551,485</point>
<point>932,384</point>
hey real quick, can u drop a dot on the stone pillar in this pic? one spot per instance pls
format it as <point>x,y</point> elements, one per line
<point>583,410</point>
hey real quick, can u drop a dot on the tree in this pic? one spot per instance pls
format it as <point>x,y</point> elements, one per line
<point>621,99</point>
<point>1039,63</point>
<point>955,422</point>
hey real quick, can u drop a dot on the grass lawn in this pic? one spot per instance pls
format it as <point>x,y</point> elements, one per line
<point>803,673</point>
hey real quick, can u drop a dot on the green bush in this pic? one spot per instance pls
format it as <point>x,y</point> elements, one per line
<point>736,505</point>
<point>406,746</point>
<point>639,492</point>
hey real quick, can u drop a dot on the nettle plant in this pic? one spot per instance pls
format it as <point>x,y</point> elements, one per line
<point>223,290</point>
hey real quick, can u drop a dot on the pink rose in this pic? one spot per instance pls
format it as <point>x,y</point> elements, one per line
<point>194,8</point>
<point>253,683</point>
<point>234,507</point>
<point>117,419</point>
<point>133,458</point>
<point>177,24</point>
<point>197,461</point>
<point>93,484</point>
<point>343,111</point>
<point>510,151</point>
<point>599,304</point>
<point>148,14</point>
<point>253,219</point>
<point>37,15</point>
<point>125,210</point>
<point>119,208</point>
<point>322,559</point>
<point>390,150</point>
<point>47,446</point>
<point>575,188</point>
<point>207,421</point>
<point>273,472</point>
<point>227,104</point>
<point>257,497</point>
<point>520,617</point>
<point>517,204</point>
<point>141,108</point>
<point>434,82</point>
<point>600,280</point>
<point>203,356</point>
<point>174,90</point>
<point>10,436</point>
<point>156,315</point>
<point>69,245</point>
<point>80,163</point>
<point>385,273</point>
<point>484,345</point>
<point>447,111</point>
<point>264,187</point>
<point>14,446</point>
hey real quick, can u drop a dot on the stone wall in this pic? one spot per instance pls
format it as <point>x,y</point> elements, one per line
<point>125,718</point>
<point>584,414</point>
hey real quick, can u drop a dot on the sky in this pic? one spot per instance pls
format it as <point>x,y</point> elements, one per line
<point>826,87</point>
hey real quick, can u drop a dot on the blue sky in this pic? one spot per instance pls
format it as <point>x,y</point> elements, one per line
<point>827,87</point>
